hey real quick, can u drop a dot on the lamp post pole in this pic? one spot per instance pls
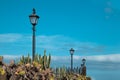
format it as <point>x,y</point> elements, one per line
<point>72,52</point>
<point>33,19</point>
<point>71,62</point>
<point>33,43</point>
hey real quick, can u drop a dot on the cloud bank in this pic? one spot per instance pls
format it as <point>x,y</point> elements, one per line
<point>10,37</point>
<point>57,43</point>
<point>98,58</point>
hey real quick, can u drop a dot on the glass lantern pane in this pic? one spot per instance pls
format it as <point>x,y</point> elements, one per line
<point>33,20</point>
<point>71,52</point>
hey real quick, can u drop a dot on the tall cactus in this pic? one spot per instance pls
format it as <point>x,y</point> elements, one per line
<point>22,60</point>
<point>1,61</point>
<point>48,61</point>
<point>40,59</point>
<point>36,59</point>
<point>44,60</point>
<point>29,59</point>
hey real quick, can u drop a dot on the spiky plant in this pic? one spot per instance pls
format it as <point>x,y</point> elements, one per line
<point>1,58</point>
<point>25,60</point>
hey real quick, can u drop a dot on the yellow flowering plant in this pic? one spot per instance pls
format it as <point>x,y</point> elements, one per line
<point>2,71</point>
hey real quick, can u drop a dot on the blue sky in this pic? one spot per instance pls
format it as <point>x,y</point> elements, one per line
<point>91,27</point>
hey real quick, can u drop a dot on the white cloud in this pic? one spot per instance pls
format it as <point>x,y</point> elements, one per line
<point>53,40</point>
<point>11,56</point>
<point>55,43</point>
<point>64,43</point>
<point>99,58</point>
<point>9,37</point>
<point>107,58</point>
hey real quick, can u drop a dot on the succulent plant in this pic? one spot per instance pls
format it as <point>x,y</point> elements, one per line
<point>21,73</point>
<point>46,60</point>
<point>1,58</point>
<point>25,60</point>
<point>39,69</point>
<point>2,71</point>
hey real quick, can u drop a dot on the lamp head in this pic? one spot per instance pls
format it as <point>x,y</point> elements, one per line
<point>34,18</point>
<point>72,51</point>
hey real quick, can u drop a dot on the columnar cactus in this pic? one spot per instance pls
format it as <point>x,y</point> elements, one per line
<point>40,59</point>
<point>1,58</point>
<point>29,59</point>
<point>1,61</point>
<point>22,60</point>
<point>48,61</point>
<point>45,60</point>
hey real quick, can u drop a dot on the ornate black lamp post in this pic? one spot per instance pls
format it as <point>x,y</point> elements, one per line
<point>33,19</point>
<point>72,52</point>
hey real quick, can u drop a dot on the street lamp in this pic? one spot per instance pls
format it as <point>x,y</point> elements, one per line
<point>72,52</point>
<point>33,19</point>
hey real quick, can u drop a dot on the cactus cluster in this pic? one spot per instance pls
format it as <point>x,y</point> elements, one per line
<point>44,60</point>
<point>40,69</point>
<point>60,72</point>
<point>25,60</point>
<point>64,73</point>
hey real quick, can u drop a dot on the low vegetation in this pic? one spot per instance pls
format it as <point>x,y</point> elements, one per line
<point>39,69</point>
